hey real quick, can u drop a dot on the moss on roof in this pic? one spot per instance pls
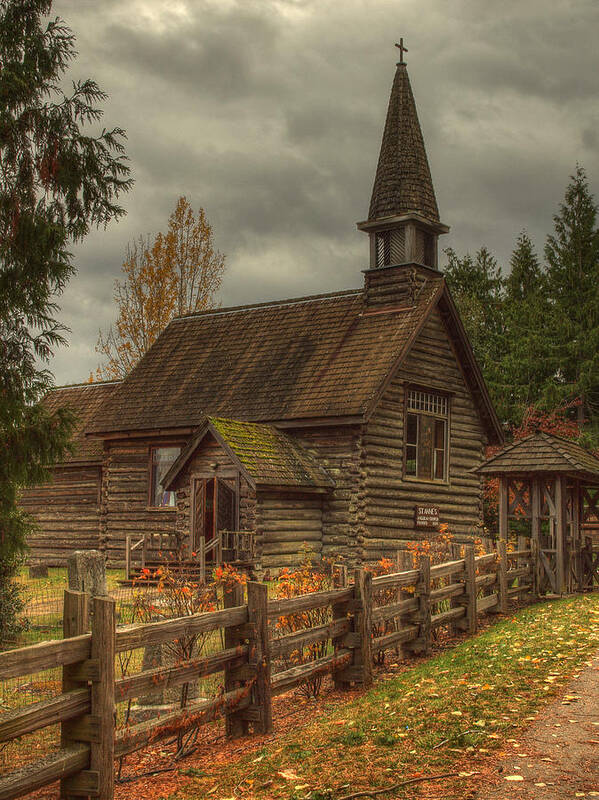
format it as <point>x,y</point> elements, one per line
<point>269,455</point>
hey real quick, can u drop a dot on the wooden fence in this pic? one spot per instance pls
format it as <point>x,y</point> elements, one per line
<point>363,619</point>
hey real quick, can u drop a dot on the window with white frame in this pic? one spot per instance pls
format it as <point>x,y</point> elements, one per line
<point>426,436</point>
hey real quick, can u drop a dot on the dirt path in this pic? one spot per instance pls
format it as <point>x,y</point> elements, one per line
<point>558,757</point>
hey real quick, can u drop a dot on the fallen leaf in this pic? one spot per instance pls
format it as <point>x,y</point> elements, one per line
<point>514,778</point>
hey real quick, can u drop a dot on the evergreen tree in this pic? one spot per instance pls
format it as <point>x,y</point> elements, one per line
<point>525,365</point>
<point>477,288</point>
<point>55,182</point>
<point>572,254</point>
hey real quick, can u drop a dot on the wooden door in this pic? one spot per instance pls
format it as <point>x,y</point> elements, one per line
<point>198,512</point>
<point>226,506</point>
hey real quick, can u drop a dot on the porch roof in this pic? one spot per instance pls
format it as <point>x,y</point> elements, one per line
<point>542,453</point>
<point>266,455</point>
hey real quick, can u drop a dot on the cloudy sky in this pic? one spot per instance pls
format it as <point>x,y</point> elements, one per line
<point>269,113</point>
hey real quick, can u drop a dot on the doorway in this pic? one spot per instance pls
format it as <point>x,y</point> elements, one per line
<point>214,509</point>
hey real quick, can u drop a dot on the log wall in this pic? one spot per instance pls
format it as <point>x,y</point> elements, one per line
<point>125,496</point>
<point>67,513</point>
<point>338,450</point>
<point>286,524</point>
<point>388,500</point>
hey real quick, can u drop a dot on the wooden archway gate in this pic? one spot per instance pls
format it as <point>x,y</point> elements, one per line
<point>553,504</point>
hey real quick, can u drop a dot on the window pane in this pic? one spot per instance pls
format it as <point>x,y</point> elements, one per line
<point>439,464</point>
<point>411,459</point>
<point>412,429</point>
<point>162,460</point>
<point>440,434</point>
<point>425,447</point>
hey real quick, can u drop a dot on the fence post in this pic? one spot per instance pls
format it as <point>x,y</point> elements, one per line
<point>423,616</point>
<point>74,623</point>
<point>363,627</point>
<point>235,725</point>
<point>260,656</point>
<point>340,611</point>
<point>470,588</point>
<point>102,694</point>
<point>502,575</point>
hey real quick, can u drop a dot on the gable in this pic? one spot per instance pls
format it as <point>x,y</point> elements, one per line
<point>267,457</point>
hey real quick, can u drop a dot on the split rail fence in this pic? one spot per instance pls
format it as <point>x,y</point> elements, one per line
<point>362,620</point>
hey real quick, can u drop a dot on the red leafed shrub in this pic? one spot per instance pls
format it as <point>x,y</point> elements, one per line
<point>305,579</point>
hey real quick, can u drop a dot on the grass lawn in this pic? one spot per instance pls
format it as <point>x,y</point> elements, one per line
<point>57,579</point>
<point>429,719</point>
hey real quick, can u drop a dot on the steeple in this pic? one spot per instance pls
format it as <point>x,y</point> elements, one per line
<point>403,220</point>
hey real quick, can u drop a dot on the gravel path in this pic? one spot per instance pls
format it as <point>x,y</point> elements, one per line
<point>558,757</point>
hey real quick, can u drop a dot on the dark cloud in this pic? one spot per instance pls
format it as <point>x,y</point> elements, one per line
<point>269,113</point>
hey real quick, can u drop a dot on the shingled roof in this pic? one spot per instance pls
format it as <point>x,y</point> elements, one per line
<point>83,400</point>
<point>542,453</point>
<point>267,456</point>
<point>403,182</point>
<point>327,356</point>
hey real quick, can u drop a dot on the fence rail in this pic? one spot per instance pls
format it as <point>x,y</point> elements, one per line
<point>361,620</point>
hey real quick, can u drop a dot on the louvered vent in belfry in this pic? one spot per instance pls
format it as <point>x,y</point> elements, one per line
<point>398,246</point>
<point>391,247</point>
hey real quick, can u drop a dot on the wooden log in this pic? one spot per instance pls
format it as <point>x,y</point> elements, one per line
<point>451,615</point>
<point>503,508</point>
<point>408,578</point>
<point>75,620</point>
<point>34,716</point>
<point>306,602</point>
<point>235,725</point>
<point>137,736</point>
<point>447,568</point>
<point>257,608</point>
<point>423,592</point>
<point>284,645</point>
<point>362,660</point>
<point>384,613</point>
<point>502,575</point>
<point>486,603</point>
<point>163,678</point>
<point>283,681</point>
<point>133,636</point>
<point>42,772</point>
<point>341,615</point>
<point>102,694</point>
<point>401,636</point>
<point>470,590</point>
<point>486,560</point>
<point>42,656</point>
<point>445,592</point>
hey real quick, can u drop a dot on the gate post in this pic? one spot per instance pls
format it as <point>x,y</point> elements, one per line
<point>102,695</point>
<point>235,725</point>
<point>74,623</point>
<point>502,575</point>
<point>260,655</point>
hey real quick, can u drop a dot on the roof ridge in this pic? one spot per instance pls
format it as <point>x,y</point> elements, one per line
<point>85,383</point>
<point>213,312</point>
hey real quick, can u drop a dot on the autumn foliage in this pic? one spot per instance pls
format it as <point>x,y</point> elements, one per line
<point>177,273</point>
<point>293,583</point>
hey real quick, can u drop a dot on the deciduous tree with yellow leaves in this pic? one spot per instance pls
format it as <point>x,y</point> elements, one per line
<point>177,273</point>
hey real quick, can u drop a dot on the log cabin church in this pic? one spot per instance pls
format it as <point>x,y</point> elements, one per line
<point>331,421</point>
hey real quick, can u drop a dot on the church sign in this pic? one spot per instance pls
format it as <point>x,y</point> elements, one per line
<point>426,517</point>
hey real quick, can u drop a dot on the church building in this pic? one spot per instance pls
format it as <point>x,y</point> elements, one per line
<point>343,422</point>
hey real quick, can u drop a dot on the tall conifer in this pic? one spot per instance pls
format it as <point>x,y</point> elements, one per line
<point>572,254</point>
<point>525,366</point>
<point>476,285</point>
<point>56,179</point>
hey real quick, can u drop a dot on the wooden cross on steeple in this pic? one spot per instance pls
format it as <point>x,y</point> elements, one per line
<point>402,50</point>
